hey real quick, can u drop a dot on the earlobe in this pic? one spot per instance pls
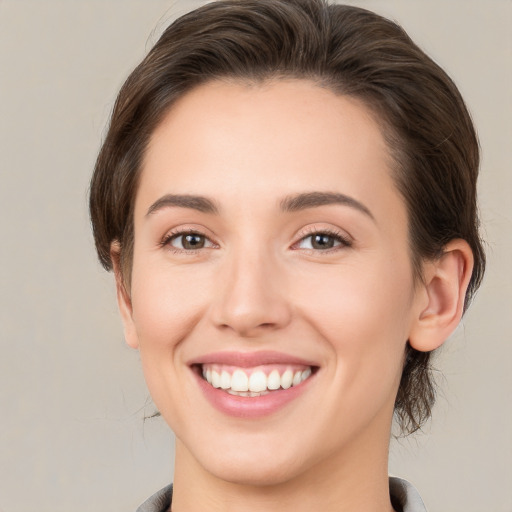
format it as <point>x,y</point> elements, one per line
<point>123,298</point>
<point>444,291</point>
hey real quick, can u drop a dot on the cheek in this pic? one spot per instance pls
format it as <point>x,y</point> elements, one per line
<point>167,303</point>
<point>363,314</point>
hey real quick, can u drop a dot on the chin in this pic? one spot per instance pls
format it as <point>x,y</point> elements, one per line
<point>246,460</point>
<point>260,473</point>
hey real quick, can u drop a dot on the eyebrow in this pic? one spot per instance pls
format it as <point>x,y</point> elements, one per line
<point>293,203</point>
<point>199,203</point>
<point>307,200</point>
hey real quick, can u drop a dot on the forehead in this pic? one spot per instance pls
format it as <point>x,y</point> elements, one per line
<point>276,138</point>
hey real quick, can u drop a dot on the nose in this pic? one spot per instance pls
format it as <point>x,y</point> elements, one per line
<point>251,297</point>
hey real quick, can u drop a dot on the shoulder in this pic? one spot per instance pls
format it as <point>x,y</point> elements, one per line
<point>404,496</point>
<point>159,502</point>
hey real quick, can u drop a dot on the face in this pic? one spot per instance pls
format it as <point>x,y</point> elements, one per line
<point>272,292</point>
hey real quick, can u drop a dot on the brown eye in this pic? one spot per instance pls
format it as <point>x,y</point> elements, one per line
<point>190,241</point>
<point>323,241</point>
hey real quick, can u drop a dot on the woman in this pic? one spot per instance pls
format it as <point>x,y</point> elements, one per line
<point>287,197</point>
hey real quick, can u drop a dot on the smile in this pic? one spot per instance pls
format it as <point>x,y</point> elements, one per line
<point>252,385</point>
<point>255,381</point>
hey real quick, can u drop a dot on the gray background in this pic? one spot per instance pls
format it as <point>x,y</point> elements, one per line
<point>72,396</point>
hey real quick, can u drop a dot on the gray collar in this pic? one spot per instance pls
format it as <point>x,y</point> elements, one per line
<point>404,498</point>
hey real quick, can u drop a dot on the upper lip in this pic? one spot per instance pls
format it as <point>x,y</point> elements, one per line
<point>250,359</point>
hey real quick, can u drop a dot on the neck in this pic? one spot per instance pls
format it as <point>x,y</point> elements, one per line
<point>353,481</point>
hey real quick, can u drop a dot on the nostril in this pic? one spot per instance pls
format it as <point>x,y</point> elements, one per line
<point>247,329</point>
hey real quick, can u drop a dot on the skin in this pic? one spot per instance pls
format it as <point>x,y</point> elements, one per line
<point>258,283</point>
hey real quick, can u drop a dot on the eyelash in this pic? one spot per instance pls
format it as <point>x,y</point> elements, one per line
<point>344,240</point>
<point>175,234</point>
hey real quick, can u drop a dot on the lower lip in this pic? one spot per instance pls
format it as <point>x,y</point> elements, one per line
<point>250,407</point>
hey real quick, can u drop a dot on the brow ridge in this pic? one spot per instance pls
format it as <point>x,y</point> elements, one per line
<point>290,204</point>
<point>200,203</point>
<point>303,201</point>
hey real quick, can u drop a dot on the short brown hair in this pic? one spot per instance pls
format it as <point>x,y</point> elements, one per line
<point>353,52</point>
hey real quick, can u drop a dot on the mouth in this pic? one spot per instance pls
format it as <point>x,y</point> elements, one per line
<point>254,381</point>
<point>252,384</point>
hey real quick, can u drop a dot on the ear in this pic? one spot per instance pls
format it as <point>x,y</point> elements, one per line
<point>123,298</point>
<point>443,292</point>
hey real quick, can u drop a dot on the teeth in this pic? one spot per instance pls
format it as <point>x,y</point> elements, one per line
<point>274,380</point>
<point>286,379</point>
<point>215,379</point>
<point>257,383</point>
<point>306,374</point>
<point>297,379</point>
<point>225,380</point>
<point>246,393</point>
<point>239,381</point>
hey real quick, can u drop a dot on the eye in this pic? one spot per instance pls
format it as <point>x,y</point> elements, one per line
<point>187,241</point>
<point>323,241</point>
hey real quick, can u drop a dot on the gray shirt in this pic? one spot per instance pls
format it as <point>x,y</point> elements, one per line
<point>404,498</point>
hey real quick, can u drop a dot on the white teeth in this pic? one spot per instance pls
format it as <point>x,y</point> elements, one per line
<point>297,379</point>
<point>286,379</point>
<point>257,384</point>
<point>225,380</point>
<point>258,381</point>
<point>239,381</point>
<point>246,393</point>
<point>274,380</point>
<point>215,379</point>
